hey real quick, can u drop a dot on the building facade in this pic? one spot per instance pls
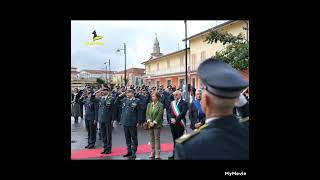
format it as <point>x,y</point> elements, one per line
<point>74,73</point>
<point>167,69</point>
<point>134,76</point>
<point>170,68</point>
<point>94,74</point>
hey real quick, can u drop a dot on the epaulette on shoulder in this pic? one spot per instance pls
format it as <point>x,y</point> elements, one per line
<point>187,137</point>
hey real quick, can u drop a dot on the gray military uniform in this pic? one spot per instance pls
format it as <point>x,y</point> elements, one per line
<point>129,119</point>
<point>90,116</point>
<point>106,105</point>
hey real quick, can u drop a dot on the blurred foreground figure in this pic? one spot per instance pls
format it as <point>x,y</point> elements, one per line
<point>222,137</point>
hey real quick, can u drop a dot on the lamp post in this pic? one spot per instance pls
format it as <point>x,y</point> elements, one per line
<point>125,63</point>
<point>187,96</point>
<point>107,70</point>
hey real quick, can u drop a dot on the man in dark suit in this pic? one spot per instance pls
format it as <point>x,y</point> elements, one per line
<point>177,112</point>
<point>222,137</point>
<point>242,107</point>
<point>167,100</point>
<point>196,115</point>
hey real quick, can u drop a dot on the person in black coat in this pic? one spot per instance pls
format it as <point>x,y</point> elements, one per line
<point>81,92</point>
<point>167,100</point>
<point>75,105</point>
<point>177,122</point>
<point>242,109</point>
<point>222,137</point>
<point>196,115</point>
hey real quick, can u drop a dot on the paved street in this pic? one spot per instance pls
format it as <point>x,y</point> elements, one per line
<point>79,138</point>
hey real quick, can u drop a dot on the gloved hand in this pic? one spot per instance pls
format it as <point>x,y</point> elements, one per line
<point>241,101</point>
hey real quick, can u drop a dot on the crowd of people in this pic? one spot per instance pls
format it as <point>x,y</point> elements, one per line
<point>143,107</point>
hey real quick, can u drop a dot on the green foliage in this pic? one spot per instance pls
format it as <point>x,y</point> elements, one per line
<point>236,52</point>
<point>100,81</point>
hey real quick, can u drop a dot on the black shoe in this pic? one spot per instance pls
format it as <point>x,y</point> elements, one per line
<point>103,152</point>
<point>108,152</point>
<point>91,147</point>
<point>86,146</point>
<point>128,154</point>
<point>171,157</point>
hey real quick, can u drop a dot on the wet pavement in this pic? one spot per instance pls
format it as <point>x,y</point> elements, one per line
<point>79,139</point>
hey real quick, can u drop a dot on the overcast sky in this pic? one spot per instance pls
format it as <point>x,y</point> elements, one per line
<point>139,38</point>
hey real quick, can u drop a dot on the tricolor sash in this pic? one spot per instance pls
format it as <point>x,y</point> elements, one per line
<point>177,112</point>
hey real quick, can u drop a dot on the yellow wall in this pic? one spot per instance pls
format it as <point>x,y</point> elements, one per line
<point>175,65</point>
<point>197,45</point>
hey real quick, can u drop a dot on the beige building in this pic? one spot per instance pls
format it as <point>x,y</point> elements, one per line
<point>134,76</point>
<point>74,73</point>
<point>170,68</point>
<point>200,50</point>
<point>166,69</point>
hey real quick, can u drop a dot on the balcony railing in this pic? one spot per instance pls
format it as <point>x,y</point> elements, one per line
<point>166,71</point>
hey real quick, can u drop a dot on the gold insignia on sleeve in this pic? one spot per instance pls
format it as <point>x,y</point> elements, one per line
<point>186,137</point>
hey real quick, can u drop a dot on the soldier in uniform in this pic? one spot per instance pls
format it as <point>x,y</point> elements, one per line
<point>143,106</point>
<point>118,104</point>
<point>177,112</point>
<point>106,103</point>
<point>222,137</point>
<point>90,117</point>
<point>129,120</point>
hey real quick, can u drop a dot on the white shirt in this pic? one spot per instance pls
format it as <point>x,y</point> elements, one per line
<point>211,119</point>
<point>178,101</point>
<point>154,105</point>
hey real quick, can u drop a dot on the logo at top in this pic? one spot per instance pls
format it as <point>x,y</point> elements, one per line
<point>95,39</point>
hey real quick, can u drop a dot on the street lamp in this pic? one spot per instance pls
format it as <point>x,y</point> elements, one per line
<point>125,63</point>
<point>107,79</point>
<point>187,94</point>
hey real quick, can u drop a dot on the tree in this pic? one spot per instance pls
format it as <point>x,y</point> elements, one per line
<point>100,82</point>
<point>236,52</point>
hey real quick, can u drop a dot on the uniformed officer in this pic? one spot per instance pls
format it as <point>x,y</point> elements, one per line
<point>129,120</point>
<point>106,104</point>
<point>118,104</point>
<point>90,117</point>
<point>222,137</point>
<point>143,106</point>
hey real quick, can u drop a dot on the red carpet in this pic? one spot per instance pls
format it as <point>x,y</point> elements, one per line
<point>118,151</point>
